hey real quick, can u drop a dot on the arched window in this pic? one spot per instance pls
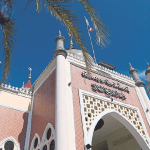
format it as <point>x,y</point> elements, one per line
<point>9,144</point>
<point>48,139</point>
<point>35,144</point>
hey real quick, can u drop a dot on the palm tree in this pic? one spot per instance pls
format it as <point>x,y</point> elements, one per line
<point>58,8</point>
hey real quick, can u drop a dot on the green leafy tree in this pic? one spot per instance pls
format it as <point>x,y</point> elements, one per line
<point>58,8</point>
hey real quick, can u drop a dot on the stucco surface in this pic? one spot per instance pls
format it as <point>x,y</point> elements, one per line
<point>15,101</point>
<point>13,123</point>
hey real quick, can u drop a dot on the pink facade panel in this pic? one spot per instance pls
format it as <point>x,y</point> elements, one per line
<point>43,107</point>
<point>13,123</point>
<point>80,82</point>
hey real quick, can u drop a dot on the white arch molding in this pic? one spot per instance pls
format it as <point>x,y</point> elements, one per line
<point>44,140</point>
<point>10,139</point>
<point>121,119</point>
<point>32,143</point>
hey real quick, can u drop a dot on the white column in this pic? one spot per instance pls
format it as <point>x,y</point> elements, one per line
<point>145,97</point>
<point>61,125</point>
<point>61,122</point>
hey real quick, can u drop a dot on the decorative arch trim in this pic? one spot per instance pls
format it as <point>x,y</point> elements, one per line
<point>32,143</point>
<point>44,140</point>
<point>124,121</point>
<point>11,139</point>
<point>49,125</point>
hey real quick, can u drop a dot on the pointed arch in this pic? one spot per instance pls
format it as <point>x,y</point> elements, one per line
<point>121,119</point>
<point>48,140</point>
<point>36,136</point>
<point>10,139</point>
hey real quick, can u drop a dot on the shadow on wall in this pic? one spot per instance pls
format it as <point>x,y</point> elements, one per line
<point>22,135</point>
<point>29,107</point>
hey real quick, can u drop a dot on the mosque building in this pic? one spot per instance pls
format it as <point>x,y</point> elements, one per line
<point>68,109</point>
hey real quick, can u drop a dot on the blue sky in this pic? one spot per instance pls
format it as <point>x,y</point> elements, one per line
<point>128,22</point>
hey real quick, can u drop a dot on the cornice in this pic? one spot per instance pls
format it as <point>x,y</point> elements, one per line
<point>19,91</point>
<point>99,67</point>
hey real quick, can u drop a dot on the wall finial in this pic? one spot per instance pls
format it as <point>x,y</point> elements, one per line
<point>30,73</point>
<point>130,66</point>
<point>23,84</point>
<point>71,42</point>
<point>59,33</point>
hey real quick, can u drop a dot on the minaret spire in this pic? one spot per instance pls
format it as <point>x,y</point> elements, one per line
<point>147,73</point>
<point>30,69</point>
<point>28,84</point>
<point>133,73</point>
<point>60,50</point>
<point>131,68</point>
<point>148,69</point>
<point>59,33</point>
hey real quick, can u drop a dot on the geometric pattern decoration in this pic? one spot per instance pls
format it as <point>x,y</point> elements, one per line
<point>94,106</point>
<point>48,139</point>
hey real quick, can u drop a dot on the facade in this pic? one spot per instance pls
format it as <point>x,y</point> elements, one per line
<point>68,109</point>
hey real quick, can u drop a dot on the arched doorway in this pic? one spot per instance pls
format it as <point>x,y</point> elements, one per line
<point>117,133</point>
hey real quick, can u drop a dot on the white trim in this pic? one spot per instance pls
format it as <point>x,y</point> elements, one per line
<point>82,114</point>
<point>27,140</point>
<point>143,107</point>
<point>14,108</point>
<point>143,124</point>
<point>72,112</point>
<point>49,125</point>
<point>19,91</point>
<point>53,60</point>
<point>124,121</point>
<point>44,78</point>
<point>77,60</point>
<point>16,93</point>
<point>11,139</point>
<point>81,92</point>
<point>29,124</point>
<point>39,141</point>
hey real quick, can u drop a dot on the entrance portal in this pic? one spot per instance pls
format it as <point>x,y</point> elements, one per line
<point>113,135</point>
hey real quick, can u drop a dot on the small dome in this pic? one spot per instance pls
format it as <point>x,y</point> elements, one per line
<point>78,53</point>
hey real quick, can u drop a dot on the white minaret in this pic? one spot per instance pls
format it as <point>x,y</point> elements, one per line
<point>140,84</point>
<point>147,73</point>
<point>61,126</point>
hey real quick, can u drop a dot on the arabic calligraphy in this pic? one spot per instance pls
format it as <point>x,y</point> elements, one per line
<point>106,82</point>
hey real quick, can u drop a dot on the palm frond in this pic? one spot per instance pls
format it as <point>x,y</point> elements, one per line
<point>29,1</point>
<point>38,5</point>
<point>70,21</point>
<point>99,26</point>
<point>9,32</point>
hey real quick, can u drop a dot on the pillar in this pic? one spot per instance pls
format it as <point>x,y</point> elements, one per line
<point>61,126</point>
